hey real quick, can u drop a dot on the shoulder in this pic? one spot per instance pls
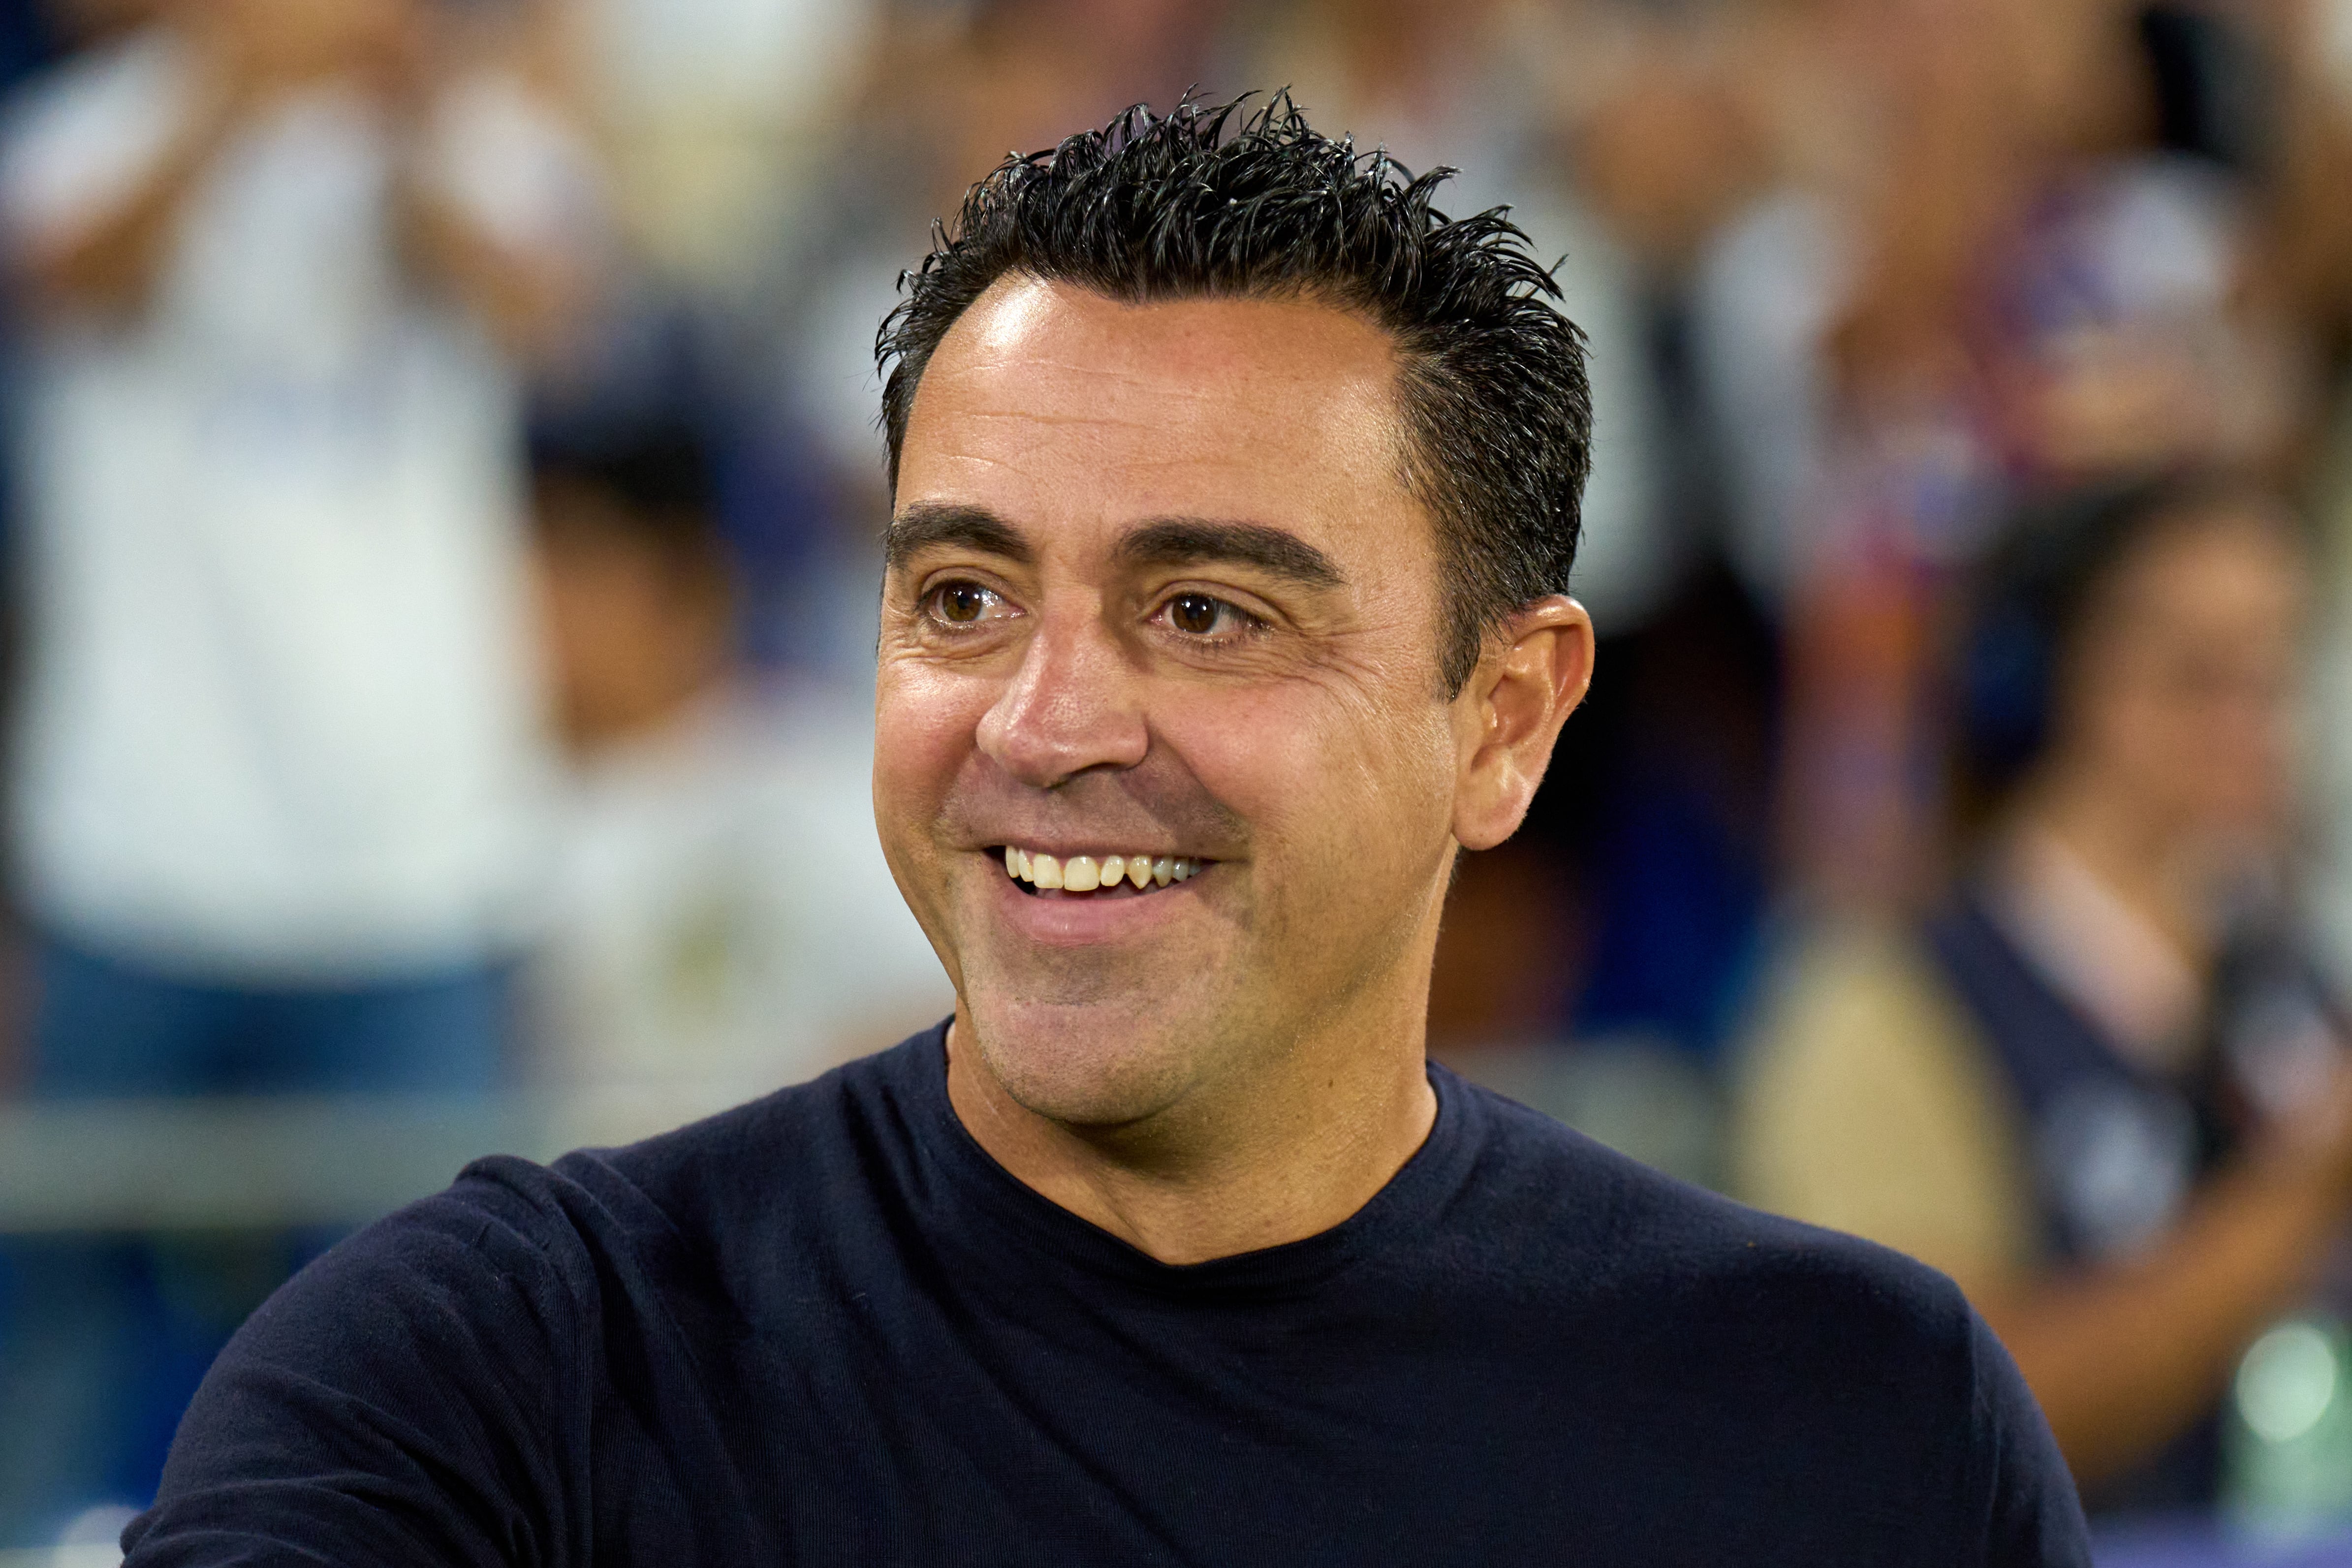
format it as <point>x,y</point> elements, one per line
<point>1722,1307</point>
<point>1630,1229</point>
<point>410,1397</point>
<point>450,1355</point>
<point>791,1167</point>
<point>1654,1221</point>
<point>508,1227</point>
<point>498,1266</point>
<point>1706,1319</point>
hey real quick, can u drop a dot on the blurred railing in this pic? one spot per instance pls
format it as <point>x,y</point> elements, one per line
<point>62,1557</point>
<point>290,1162</point>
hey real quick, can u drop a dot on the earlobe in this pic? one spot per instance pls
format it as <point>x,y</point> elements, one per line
<point>1533,676</point>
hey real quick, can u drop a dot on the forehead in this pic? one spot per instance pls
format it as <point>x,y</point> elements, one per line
<point>1051,404</point>
<point>2231,565</point>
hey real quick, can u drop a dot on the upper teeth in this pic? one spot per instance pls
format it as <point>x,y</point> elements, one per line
<point>1085,873</point>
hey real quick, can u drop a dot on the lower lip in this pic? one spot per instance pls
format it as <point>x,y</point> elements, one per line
<point>1077,921</point>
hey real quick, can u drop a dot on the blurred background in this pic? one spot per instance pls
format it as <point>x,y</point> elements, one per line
<point>441,506</point>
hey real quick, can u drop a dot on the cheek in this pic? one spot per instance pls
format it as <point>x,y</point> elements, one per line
<point>2156,742</point>
<point>1320,774</point>
<point>2199,758</point>
<point>2247,754</point>
<point>924,724</point>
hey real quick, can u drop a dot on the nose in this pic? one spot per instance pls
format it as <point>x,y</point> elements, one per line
<point>1074,703</point>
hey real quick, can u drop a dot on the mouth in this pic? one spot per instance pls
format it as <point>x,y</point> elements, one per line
<point>1109,875</point>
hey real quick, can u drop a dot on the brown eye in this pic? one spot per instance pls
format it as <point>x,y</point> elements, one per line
<point>962,603</point>
<point>1193,613</point>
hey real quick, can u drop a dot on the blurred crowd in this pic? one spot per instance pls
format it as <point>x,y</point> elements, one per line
<point>442,513</point>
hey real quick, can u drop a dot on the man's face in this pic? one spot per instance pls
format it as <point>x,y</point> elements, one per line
<point>1158,588</point>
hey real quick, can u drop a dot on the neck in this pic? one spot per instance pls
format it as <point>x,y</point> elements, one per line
<point>1278,1162</point>
<point>2140,859</point>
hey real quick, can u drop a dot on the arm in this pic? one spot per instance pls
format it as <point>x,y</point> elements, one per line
<point>108,261</point>
<point>498,202</point>
<point>2124,1356</point>
<point>2030,1512</point>
<point>399,1404</point>
<point>527,301</point>
<point>105,253</point>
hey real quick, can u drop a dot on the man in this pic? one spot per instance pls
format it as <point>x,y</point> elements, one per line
<point>1235,492</point>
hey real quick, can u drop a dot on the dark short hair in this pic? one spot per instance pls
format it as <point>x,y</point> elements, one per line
<point>662,468</point>
<point>1206,202</point>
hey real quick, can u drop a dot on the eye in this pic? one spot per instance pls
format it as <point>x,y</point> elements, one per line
<point>964,603</point>
<point>1204,617</point>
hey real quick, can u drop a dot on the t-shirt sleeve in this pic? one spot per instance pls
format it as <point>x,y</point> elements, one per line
<point>402,1401</point>
<point>2031,1517</point>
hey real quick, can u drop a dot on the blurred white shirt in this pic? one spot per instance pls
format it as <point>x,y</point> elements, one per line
<point>718,118</point>
<point>281,721</point>
<point>724,922</point>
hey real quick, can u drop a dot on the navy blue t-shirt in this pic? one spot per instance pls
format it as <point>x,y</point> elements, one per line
<point>827,1328</point>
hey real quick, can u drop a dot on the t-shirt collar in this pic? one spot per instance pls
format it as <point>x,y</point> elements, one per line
<point>990,1205</point>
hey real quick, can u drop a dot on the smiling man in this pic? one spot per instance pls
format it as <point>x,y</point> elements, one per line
<point>1236,494</point>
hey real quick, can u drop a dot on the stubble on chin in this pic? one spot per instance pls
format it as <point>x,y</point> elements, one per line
<point>1097,1051</point>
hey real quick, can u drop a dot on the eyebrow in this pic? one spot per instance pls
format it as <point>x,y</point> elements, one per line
<point>1167,542</point>
<point>1179,541</point>
<point>926,524</point>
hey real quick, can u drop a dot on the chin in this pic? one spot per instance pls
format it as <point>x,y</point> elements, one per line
<point>1086,1065</point>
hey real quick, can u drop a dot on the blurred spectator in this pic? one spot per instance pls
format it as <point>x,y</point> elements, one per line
<point>1660,790</point>
<point>2310,263</point>
<point>724,920</point>
<point>280,754</point>
<point>2030,267</point>
<point>280,739</point>
<point>28,38</point>
<point>714,114</point>
<point>2101,1087</point>
<point>727,125</point>
<point>955,90</point>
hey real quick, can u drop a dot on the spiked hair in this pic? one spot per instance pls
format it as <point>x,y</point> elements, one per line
<point>1207,203</point>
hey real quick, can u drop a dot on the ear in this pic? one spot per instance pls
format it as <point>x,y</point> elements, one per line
<point>1529,679</point>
